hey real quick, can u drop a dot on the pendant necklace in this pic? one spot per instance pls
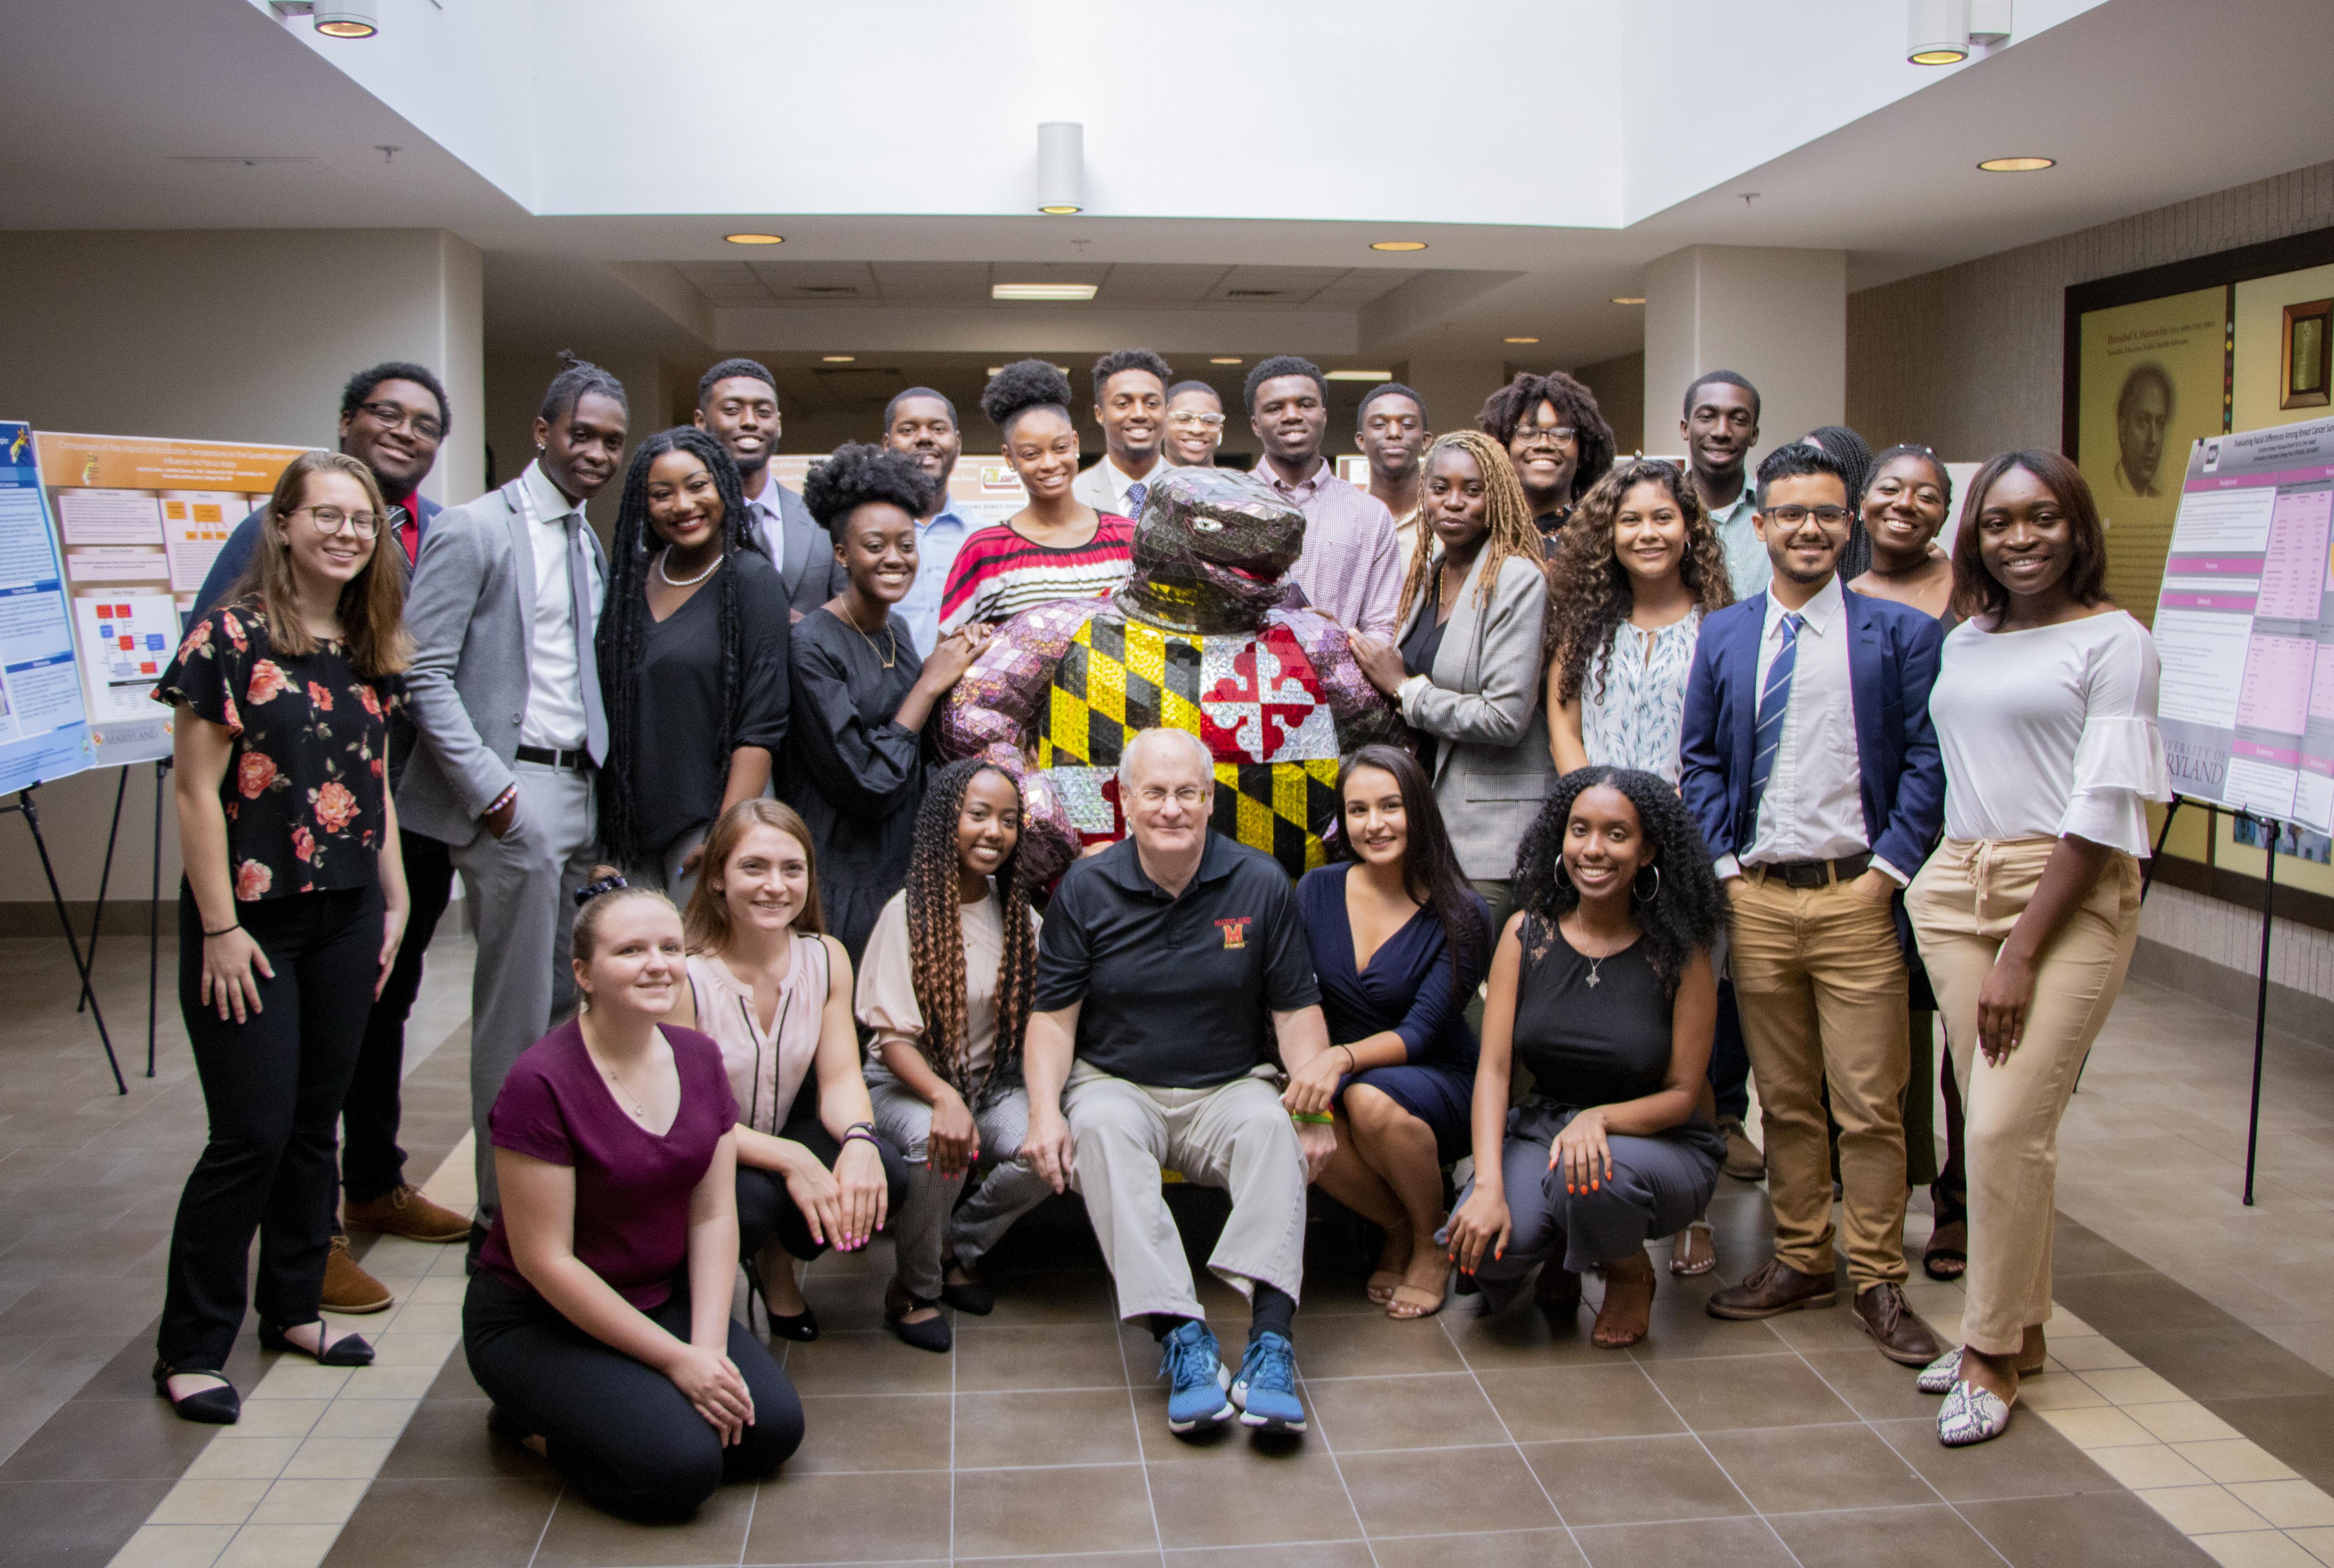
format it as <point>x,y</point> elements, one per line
<point>890,631</point>
<point>673,582</point>
<point>624,1095</point>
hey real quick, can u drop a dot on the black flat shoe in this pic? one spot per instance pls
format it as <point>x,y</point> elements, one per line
<point>932,1334</point>
<point>348,1351</point>
<point>973,1297</point>
<point>217,1407</point>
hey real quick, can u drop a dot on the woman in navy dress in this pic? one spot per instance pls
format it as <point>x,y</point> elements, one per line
<point>1399,943</point>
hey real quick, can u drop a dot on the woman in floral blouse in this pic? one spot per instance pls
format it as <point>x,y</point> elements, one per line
<point>289,916</point>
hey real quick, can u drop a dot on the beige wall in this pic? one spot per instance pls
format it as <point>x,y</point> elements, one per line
<point>1619,384</point>
<point>215,335</point>
<point>1968,359</point>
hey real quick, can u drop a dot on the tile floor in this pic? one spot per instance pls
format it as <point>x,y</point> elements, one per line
<point>2190,1415</point>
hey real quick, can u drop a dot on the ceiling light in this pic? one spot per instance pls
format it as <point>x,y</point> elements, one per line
<point>1042,290</point>
<point>335,18</point>
<point>1226,360</point>
<point>1937,32</point>
<point>1628,299</point>
<point>2016,165</point>
<point>836,359</point>
<point>1061,167</point>
<point>999,369</point>
<point>1361,375</point>
<point>1519,340</point>
<point>754,238</point>
<point>1397,245</point>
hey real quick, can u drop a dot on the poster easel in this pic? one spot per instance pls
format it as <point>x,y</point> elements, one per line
<point>32,815</point>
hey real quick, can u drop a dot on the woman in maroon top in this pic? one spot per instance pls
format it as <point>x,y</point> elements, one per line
<point>599,1319</point>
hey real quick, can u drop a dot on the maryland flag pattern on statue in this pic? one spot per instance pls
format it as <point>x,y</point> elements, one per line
<point>1254,700</point>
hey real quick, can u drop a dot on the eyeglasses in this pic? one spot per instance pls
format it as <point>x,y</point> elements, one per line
<point>1206,421</point>
<point>1829,518</point>
<point>1539,435</point>
<point>331,520</point>
<point>391,416</point>
<point>1188,796</point>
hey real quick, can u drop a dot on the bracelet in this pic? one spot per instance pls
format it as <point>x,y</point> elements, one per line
<point>866,1127</point>
<point>223,930</point>
<point>1352,1062</point>
<point>864,1134</point>
<point>500,801</point>
<point>1312,1118</point>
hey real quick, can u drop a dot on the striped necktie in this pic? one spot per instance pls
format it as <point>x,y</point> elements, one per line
<point>1774,701</point>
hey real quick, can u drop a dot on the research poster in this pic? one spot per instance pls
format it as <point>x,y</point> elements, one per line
<point>139,522</point>
<point>2245,625</point>
<point>43,728</point>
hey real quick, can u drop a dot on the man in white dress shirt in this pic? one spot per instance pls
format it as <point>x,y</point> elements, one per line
<point>1131,406</point>
<point>738,406</point>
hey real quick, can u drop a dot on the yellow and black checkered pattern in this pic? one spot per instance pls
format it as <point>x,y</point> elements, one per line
<point>1116,681</point>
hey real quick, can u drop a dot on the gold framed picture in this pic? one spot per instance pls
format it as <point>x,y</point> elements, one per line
<point>2306,361</point>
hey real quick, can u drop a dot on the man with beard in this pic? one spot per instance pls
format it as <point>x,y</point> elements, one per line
<point>738,406</point>
<point>922,424</point>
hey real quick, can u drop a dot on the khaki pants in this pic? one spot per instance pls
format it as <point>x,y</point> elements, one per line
<point>1963,904</point>
<point>1236,1136</point>
<point>1820,983</point>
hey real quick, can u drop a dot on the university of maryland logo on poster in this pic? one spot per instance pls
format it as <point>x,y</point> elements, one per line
<point>1235,931</point>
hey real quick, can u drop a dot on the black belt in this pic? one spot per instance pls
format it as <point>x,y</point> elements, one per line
<point>544,754</point>
<point>1816,874</point>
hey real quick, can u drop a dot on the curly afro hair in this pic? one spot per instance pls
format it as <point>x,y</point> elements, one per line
<point>1021,386</point>
<point>861,473</point>
<point>1686,911</point>
<point>1574,405</point>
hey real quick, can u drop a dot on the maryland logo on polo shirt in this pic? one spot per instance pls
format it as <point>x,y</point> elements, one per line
<point>1235,930</point>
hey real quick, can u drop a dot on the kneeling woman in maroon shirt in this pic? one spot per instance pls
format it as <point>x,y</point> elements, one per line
<point>599,1319</point>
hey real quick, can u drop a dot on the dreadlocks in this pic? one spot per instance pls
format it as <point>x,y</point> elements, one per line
<point>581,379</point>
<point>1508,528</point>
<point>1591,589</point>
<point>936,938</point>
<point>623,628</point>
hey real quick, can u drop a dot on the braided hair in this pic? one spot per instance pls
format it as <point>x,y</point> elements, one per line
<point>623,628</point>
<point>1686,911</point>
<point>936,937</point>
<point>1591,592</point>
<point>1506,409</point>
<point>581,379</point>
<point>1510,530</point>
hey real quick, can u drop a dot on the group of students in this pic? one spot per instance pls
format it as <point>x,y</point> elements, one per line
<point>1685,746</point>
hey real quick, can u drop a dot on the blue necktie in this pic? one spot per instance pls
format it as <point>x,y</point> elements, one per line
<point>1134,493</point>
<point>1773,702</point>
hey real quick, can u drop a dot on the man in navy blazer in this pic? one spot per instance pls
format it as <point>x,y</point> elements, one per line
<point>1812,767</point>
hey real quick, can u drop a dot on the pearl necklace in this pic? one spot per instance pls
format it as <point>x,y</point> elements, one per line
<point>673,582</point>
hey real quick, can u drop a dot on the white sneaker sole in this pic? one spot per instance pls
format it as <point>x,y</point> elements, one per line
<point>1262,1423</point>
<point>1223,1380</point>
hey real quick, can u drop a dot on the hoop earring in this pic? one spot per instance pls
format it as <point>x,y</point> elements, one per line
<point>1562,879</point>
<point>1647,898</point>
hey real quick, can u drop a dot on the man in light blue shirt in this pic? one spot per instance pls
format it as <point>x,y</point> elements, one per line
<point>922,423</point>
<point>1721,426</point>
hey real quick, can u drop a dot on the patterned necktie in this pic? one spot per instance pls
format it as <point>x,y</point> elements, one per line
<point>1773,702</point>
<point>1135,495</point>
<point>587,664</point>
<point>409,537</point>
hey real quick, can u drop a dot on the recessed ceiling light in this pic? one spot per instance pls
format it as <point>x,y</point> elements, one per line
<point>1519,340</point>
<point>1628,299</point>
<point>754,238</point>
<point>1361,375</point>
<point>1225,360</point>
<point>837,359</point>
<point>2016,165</point>
<point>1397,245</point>
<point>1042,290</point>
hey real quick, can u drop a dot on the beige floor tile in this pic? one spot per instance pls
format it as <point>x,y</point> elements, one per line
<point>2134,1386</point>
<point>440,1289</point>
<point>175,1547</point>
<point>431,1317</point>
<point>209,1502</point>
<point>405,1348</point>
<point>2088,1352</point>
<point>2234,1459</point>
<point>309,1502</point>
<point>2103,1428</point>
<point>2054,1392</point>
<point>407,1382</point>
<point>2182,1423</point>
<point>339,1458</point>
<point>2256,1549</point>
<point>2199,1510</point>
<point>279,1546</point>
<point>2318,1542</point>
<point>349,1417</point>
<point>279,1418</point>
<point>2138,1465</point>
<point>243,1458</point>
<point>2294,1504</point>
<point>297,1378</point>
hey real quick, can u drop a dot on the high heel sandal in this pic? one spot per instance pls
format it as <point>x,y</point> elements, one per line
<point>217,1407</point>
<point>348,1351</point>
<point>802,1327</point>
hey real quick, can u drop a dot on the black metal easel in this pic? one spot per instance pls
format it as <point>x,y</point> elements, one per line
<point>31,816</point>
<point>154,909</point>
<point>2261,995</point>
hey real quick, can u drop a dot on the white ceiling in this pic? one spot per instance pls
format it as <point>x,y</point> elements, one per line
<point>1546,149</point>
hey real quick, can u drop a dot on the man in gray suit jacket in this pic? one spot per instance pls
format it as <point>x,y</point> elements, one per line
<point>1130,392</point>
<point>505,689</point>
<point>738,406</point>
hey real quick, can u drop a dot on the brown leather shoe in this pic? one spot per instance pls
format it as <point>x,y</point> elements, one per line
<point>403,1211</point>
<point>347,1287</point>
<point>1890,1319</point>
<point>1773,1288</point>
<point>1744,1162</point>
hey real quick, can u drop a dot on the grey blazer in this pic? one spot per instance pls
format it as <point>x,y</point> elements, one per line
<point>812,574</point>
<point>471,611</point>
<point>1491,764</point>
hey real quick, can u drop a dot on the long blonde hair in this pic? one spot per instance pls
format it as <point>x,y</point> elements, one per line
<point>705,926</point>
<point>373,602</point>
<point>1510,532</point>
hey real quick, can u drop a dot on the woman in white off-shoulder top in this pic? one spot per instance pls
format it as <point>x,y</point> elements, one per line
<point>2045,711</point>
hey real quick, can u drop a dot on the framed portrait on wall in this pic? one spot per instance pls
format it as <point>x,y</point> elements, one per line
<point>2303,355</point>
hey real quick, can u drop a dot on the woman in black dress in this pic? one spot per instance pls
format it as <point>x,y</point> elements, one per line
<point>692,656</point>
<point>856,771</point>
<point>1601,986</point>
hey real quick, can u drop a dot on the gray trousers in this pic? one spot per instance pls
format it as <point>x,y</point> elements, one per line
<point>662,869</point>
<point>1659,1186</point>
<point>522,892</point>
<point>1236,1136</point>
<point>932,1224</point>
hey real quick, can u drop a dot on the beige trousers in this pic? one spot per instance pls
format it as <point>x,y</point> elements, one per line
<point>1820,983</point>
<point>1236,1136</point>
<point>1963,904</point>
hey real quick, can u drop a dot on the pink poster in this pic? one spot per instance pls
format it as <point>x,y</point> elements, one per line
<point>2321,687</point>
<point>2292,575</point>
<point>2276,692</point>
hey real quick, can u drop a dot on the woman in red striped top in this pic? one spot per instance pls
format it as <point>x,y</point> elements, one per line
<point>1057,547</point>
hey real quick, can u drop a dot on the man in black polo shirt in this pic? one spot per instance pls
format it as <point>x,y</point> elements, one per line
<point>1168,963</point>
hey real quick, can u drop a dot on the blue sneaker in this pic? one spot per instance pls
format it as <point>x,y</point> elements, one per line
<point>1195,1395</point>
<point>1266,1389</point>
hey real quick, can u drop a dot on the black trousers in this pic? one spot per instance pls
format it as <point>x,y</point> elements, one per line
<point>766,1210</point>
<point>1730,1058</point>
<point>617,1428</point>
<point>372,1164</point>
<point>273,1085</point>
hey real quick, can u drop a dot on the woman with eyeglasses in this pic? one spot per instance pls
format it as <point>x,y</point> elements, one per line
<point>288,917</point>
<point>1556,441</point>
<point>1195,424</point>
